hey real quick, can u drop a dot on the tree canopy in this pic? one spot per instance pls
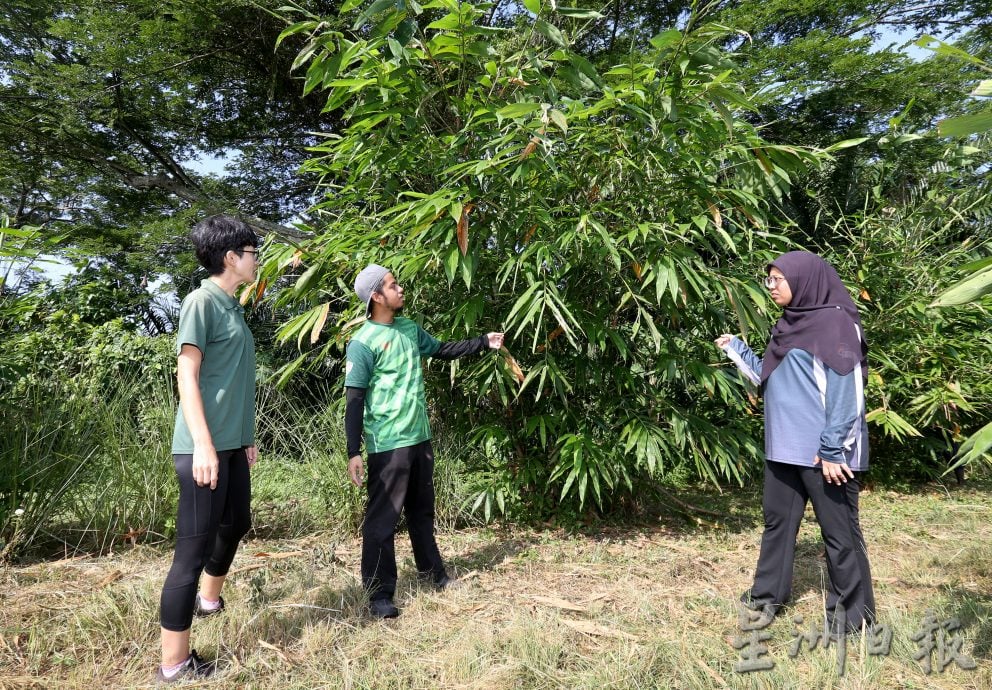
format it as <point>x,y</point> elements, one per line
<point>602,181</point>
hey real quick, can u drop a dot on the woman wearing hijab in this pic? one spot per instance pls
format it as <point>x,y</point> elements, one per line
<point>812,379</point>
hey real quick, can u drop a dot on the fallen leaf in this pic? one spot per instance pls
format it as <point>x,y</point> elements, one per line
<point>112,576</point>
<point>272,647</point>
<point>557,603</point>
<point>590,628</point>
<point>132,535</point>
<point>283,554</point>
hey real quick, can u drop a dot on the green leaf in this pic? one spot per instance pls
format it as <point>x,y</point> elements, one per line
<point>372,10</point>
<point>947,50</point>
<point>984,88</point>
<point>585,67</point>
<point>550,31</point>
<point>449,22</point>
<point>965,125</point>
<point>533,6</point>
<point>846,144</point>
<point>306,281</point>
<point>404,32</point>
<point>666,39</point>
<point>892,424</point>
<point>296,28</point>
<point>966,291</point>
<point>578,13</point>
<point>451,264</point>
<point>515,110</point>
<point>558,117</point>
<point>577,79</point>
<point>973,447</point>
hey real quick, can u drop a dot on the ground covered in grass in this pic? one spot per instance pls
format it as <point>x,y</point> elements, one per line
<point>645,606</point>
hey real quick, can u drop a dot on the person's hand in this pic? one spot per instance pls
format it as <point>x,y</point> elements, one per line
<point>833,472</point>
<point>205,466</point>
<point>356,469</point>
<point>252,453</point>
<point>723,340</point>
<point>495,340</point>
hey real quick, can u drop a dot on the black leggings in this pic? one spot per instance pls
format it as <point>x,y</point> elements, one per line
<point>209,525</point>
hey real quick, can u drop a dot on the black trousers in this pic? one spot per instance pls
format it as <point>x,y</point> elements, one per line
<point>209,526</point>
<point>400,479</point>
<point>786,490</point>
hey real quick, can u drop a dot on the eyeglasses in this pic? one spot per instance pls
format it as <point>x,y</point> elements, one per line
<point>772,281</point>
<point>257,254</point>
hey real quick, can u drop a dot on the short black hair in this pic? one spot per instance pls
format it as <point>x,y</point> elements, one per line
<point>215,236</point>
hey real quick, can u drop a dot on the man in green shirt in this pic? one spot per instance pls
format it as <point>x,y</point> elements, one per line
<point>384,387</point>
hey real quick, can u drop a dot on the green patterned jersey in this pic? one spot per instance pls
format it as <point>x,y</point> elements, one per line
<point>384,359</point>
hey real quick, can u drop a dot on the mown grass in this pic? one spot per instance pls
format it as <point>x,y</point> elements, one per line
<point>645,606</point>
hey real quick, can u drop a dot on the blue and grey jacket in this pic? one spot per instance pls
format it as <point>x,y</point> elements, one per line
<point>810,410</point>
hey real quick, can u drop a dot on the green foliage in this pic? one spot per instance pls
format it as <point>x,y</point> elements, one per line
<point>85,431</point>
<point>611,221</point>
<point>930,382</point>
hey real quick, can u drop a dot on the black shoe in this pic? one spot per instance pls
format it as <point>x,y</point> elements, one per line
<point>767,610</point>
<point>200,612</point>
<point>193,668</point>
<point>438,583</point>
<point>383,608</point>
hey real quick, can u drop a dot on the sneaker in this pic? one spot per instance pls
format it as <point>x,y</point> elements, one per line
<point>383,608</point>
<point>200,612</point>
<point>193,668</point>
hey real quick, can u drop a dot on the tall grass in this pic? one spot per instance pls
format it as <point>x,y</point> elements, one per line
<point>85,466</point>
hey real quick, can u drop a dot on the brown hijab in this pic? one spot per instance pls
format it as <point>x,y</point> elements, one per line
<point>820,319</point>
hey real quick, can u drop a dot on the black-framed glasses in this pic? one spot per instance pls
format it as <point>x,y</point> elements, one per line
<point>772,281</point>
<point>256,253</point>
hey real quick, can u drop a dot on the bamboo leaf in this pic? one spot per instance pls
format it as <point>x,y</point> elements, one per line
<point>966,291</point>
<point>965,125</point>
<point>318,326</point>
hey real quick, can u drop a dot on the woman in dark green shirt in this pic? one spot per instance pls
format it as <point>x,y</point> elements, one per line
<point>213,445</point>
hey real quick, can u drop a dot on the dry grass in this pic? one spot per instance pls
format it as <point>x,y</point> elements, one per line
<point>624,607</point>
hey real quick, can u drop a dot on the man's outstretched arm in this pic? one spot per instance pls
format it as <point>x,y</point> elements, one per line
<point>472,346</point>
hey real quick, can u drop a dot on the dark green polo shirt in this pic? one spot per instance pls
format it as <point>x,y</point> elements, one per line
<point>214,322</point>
<point>384,359</point>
